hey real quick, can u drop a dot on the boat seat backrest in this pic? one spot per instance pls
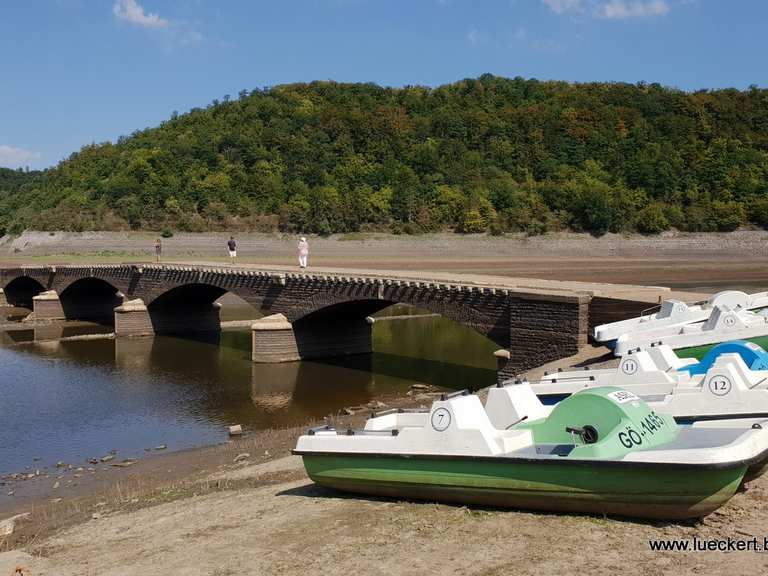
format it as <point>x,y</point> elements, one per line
<point>758,300</point>
<point>727,378</point>
<point>635,367</point>
<point>724,318</point>
<point>672,308</point>
<point>738,367</point>
<point>512,403</point>
<point>666,359</point>
<point>468,412</point>
<point>461,424</point>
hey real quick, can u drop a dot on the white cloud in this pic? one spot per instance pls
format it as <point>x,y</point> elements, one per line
<point>617,9</point>
<point>175,32</point>
<point>131,11</point>
<point>15,157</point>
<point>563,6</point>
<point>611,9</point>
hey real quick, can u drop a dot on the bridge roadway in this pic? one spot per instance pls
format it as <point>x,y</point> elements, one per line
<point>322,312</point>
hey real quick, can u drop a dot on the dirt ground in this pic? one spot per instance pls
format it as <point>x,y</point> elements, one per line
<point>282,524</point>
<point>202,513</point>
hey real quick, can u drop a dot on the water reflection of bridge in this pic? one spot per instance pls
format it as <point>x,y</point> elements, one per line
<point>228,388</point>
<point>282,393</point>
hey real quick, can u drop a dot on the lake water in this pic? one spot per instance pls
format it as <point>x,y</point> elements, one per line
<point>75,400</point>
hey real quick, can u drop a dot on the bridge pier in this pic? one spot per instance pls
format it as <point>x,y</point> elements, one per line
<point>275,339</point>
<point>3,301</point>
<point>46,306</point>
<point>132,319</point>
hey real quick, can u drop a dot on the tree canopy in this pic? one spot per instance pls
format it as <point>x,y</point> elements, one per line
<point>485,154</point>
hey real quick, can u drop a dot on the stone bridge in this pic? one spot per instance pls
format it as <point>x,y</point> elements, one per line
<point>325,313</point>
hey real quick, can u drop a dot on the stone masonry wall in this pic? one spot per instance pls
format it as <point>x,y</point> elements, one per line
<point>544,328</point>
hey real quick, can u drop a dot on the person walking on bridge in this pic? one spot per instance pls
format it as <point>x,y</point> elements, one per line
<point>158,249</point>
<point>303,248</point>
<point>232,247</point>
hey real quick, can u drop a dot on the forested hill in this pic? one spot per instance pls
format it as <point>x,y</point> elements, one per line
<point>486,154</point>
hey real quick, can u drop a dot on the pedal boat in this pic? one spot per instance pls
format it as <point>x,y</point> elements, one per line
<point>724,323</point>
<point>731,381</point>
<point>698,407</point>
<point>651,372</point>
<point>674,312</point>
<point>602,450</point>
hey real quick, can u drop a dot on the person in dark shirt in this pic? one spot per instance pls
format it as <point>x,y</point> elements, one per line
<point>232,246</point>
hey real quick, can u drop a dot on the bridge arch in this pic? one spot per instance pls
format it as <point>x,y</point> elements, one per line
<point>343,309</point>
<point>190,307</point>
<point>187,296</point>
<point>90,298</point>
<point>20,291</point>
<point>334,322</point>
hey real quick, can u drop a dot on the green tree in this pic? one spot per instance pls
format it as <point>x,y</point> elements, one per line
<point>651,219</point>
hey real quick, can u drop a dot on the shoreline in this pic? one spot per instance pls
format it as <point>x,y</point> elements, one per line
<point>157,467</point>
<point>76,491</point>
<point>563,260</point>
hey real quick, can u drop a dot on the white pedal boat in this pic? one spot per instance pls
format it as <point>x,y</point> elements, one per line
<point>678,313</point>
<point>728,390</point>
<point>724,323</point>
<point>602,450</point>
<point>650,372</point>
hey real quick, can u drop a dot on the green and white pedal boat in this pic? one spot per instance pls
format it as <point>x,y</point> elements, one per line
<point>721,400</point>
<point>602,450</point>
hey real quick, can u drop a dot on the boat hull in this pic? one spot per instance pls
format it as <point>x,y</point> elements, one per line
<point>616,488</point>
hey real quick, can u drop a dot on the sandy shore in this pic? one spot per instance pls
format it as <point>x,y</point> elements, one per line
<point>271,520</point>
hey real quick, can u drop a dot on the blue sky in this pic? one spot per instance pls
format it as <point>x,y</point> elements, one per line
<point>81,71</point>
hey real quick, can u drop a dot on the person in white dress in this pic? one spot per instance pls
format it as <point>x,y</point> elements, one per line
<point>303,248</point>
